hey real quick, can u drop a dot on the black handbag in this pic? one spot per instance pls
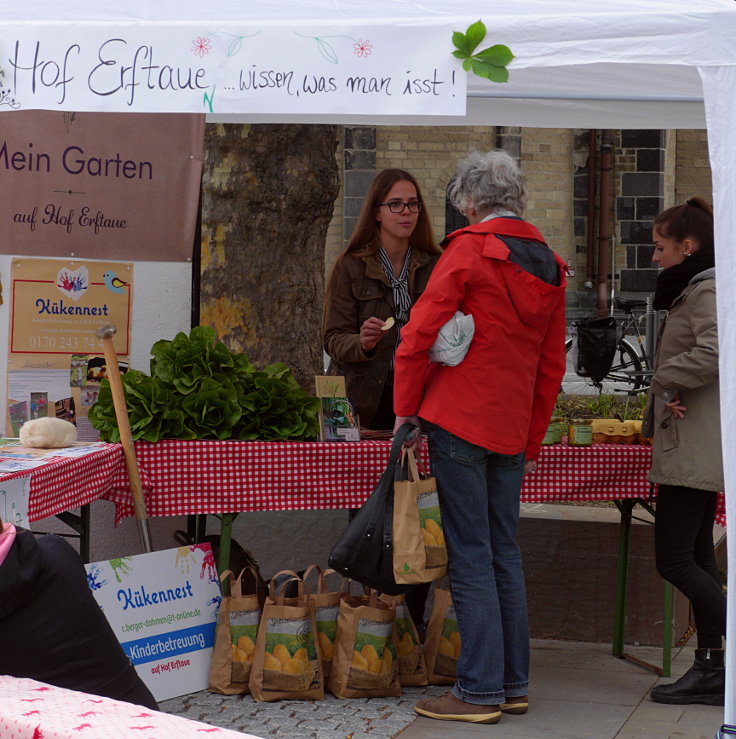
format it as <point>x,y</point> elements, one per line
<point>364,551</point>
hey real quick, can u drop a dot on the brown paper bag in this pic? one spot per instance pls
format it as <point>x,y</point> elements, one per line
<point>326,608</point>
<point>364,663</point>
<point>287,663</point>
<point>412,667</point>
<point>236,632</point>
<point>442,645</point>
<point>419,550</point>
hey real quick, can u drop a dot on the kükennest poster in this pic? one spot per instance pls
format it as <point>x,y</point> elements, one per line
<point>163,608</point>
<point>56,361</point>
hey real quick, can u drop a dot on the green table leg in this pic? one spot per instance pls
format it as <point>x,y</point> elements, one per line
<point>226,532</point>
<point>626,508</point>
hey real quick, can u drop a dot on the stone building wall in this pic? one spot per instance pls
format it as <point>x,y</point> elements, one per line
<point>547,163</point>
<point>651,170</point>
<point>692,167</point>
<point>431,155</point>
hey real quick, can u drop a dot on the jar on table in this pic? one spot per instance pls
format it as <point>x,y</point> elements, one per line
<point>580,432</point>
<point>554,431</point>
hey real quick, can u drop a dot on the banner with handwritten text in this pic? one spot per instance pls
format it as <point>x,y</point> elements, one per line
<point>258,68</point>
<point>100,185</point>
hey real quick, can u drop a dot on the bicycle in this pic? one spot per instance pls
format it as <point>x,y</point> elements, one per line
<point>630,370</point>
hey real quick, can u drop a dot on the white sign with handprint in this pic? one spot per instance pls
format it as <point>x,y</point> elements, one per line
<point>163,608</point>
<point>14,501</point>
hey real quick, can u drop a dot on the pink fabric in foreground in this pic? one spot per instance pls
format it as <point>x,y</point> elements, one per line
<point>7,537</point>
<point>33,709</point>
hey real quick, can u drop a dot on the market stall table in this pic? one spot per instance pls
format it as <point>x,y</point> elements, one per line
<point>229,477</point>
<point>61,484</point>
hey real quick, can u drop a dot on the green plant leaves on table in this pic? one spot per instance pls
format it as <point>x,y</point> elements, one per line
<point>199,389</point>
<point>489,63</point>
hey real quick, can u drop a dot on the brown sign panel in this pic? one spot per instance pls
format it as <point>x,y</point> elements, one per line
<point>100,185</point>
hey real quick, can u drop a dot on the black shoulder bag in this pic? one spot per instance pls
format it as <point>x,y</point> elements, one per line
<point>364,551</point>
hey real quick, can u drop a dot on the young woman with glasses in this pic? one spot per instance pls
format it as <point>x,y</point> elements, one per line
<point>379,275</point>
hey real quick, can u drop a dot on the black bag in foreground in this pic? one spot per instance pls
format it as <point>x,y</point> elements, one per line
<point>364,551</point>
<point>594,346</point>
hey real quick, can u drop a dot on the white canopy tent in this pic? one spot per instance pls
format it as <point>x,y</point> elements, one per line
<point>618,64</point>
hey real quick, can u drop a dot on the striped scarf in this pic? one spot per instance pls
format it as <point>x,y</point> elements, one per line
<point>400,285</point>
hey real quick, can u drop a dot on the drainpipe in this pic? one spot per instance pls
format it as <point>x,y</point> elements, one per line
<point>604,223</point>
<point>590,234</point>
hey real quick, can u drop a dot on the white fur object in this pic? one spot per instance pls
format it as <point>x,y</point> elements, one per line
<point>46,433</point>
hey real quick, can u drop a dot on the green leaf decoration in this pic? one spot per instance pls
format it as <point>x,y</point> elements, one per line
<point>462,45</point>
<point>498,74</point>
<point>495,74</point>
<point>489,63</point>
<point>199,389</point>
<point>497,55</point>
<point>475,34</point>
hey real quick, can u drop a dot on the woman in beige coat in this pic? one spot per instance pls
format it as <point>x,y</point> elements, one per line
<point>683,417</point>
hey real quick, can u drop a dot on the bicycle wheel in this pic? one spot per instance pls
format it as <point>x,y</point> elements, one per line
<point>626,375</point>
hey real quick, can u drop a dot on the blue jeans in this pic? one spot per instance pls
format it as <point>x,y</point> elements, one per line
<point>479,498</point>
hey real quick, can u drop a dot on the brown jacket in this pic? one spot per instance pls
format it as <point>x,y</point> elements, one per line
<point>358,289</point>
<point>687,451</point>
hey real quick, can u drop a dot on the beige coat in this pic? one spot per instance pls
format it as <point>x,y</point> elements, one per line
<point>687,451</point>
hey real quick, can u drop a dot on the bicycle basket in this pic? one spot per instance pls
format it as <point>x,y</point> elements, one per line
<point>594,346</point>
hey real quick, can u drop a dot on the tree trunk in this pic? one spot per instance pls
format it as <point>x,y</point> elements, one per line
<point>267,200</point>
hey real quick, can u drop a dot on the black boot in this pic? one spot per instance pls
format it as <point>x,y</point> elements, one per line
<point>704,682</point>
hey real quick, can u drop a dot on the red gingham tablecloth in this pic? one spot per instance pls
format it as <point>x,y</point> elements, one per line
<point>65,483</point>
<point>187,477</point>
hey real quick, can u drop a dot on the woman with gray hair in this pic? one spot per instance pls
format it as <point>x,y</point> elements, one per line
<point>489,182</point>
<point>486,418</point>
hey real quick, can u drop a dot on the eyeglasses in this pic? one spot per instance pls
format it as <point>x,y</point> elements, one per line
<point>397,206</point>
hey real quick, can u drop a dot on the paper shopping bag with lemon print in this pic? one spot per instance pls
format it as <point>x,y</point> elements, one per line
<point>235,638</point>
<point>420,553</point>
<point>412,667</point>
<point>364,663</point>
<point>326,607</point>
<point>287,663</point>
<point>442,646</point>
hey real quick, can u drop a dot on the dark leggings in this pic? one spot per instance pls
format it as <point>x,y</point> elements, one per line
<point>683,541</point>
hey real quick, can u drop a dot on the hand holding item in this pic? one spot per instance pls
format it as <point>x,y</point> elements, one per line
<point>414,440</point>
<point>675,405</point>
<point>372,331</point>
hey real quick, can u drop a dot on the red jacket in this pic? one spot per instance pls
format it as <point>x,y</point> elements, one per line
<point>502,394</point>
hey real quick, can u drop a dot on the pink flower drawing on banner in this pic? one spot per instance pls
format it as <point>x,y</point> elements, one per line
<point>201,47</point>
<point>362,48</point>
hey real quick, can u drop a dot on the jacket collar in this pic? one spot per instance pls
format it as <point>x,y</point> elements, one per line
<point>374,270</point>
<point>706,274</point>
<point>501,226</point>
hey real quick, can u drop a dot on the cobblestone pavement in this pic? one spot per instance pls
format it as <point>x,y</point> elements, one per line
<point>331,718</point>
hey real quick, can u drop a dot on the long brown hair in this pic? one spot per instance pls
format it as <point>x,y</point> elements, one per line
<point>692,220</point>
<point>365,238</point>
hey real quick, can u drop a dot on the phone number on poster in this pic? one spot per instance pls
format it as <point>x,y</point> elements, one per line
<point>85,344</point>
